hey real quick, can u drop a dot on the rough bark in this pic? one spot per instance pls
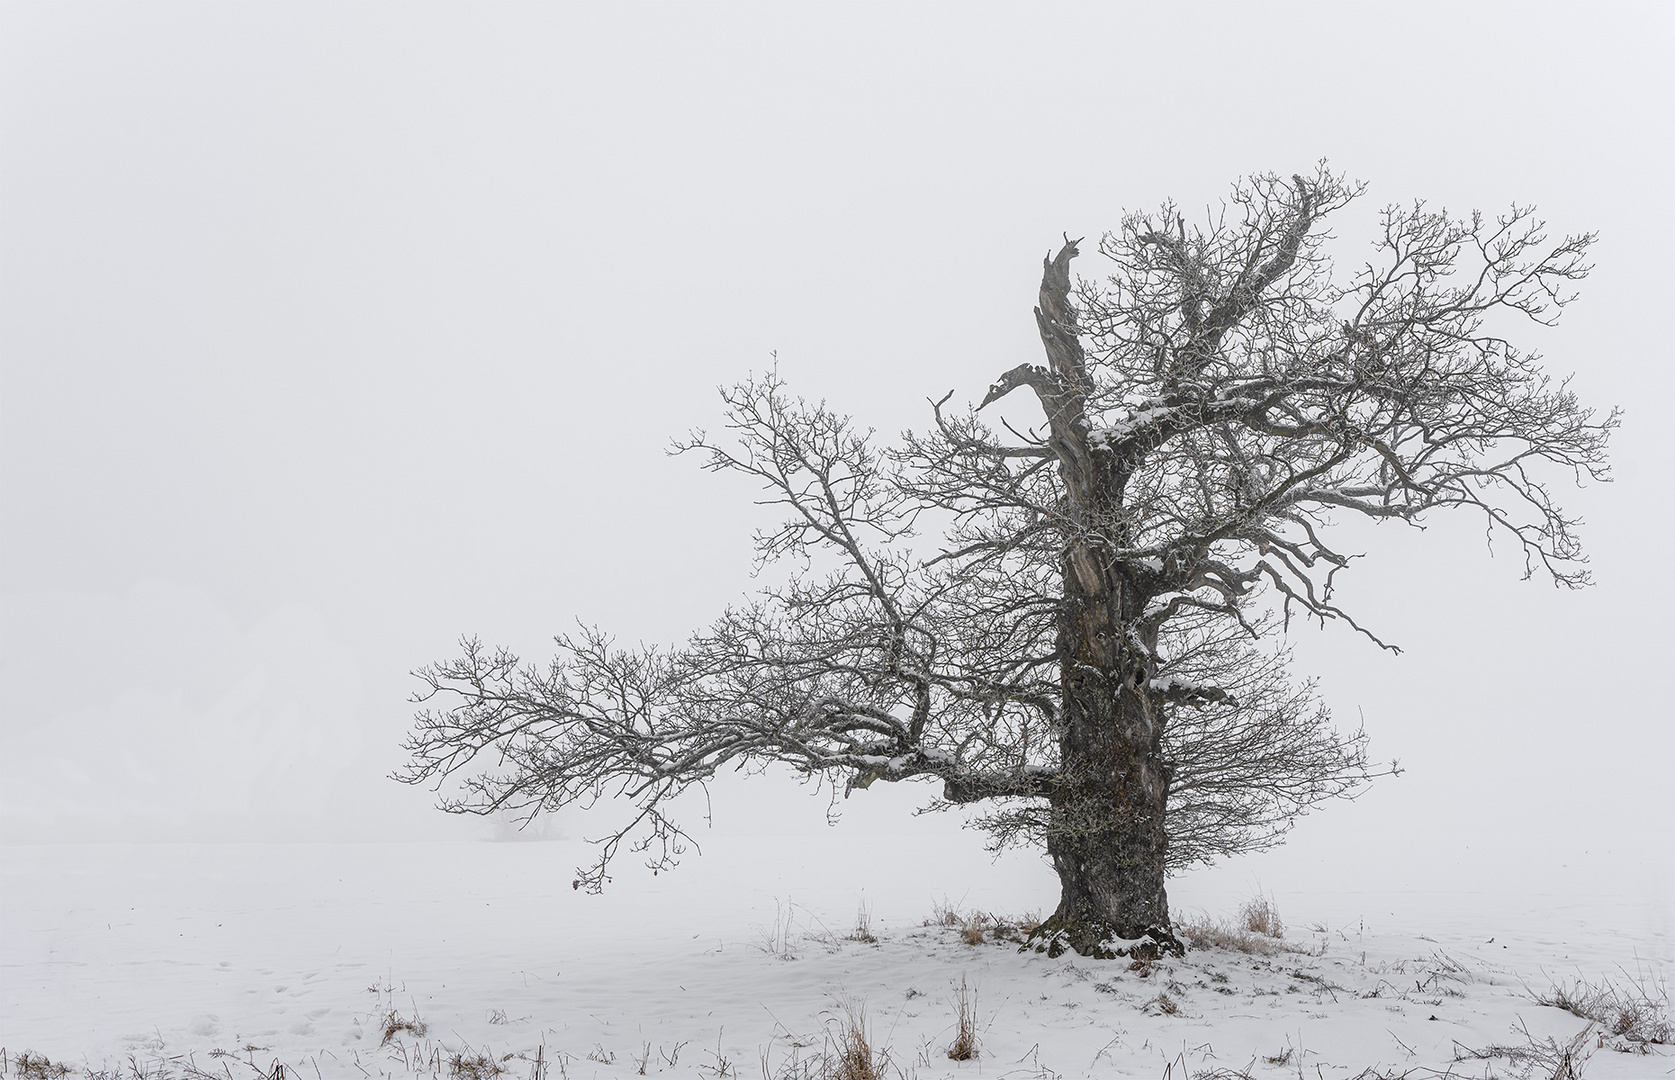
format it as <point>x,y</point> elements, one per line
<point>1106,838</point>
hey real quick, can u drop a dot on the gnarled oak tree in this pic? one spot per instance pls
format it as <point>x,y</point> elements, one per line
<point>1064,623</point>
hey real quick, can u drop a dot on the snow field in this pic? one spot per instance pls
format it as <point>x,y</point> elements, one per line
<point>229,958</point>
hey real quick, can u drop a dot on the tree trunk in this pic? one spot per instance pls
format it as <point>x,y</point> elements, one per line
<point>1107,839</point>
<point>1106,835</point>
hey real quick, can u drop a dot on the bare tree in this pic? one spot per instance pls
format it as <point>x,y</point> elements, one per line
<point>1062,623</point>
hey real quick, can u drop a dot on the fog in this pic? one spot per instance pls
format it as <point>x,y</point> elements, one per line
<point>330,333</point>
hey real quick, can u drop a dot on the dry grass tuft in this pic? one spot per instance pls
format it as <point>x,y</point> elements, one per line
<point>975,926</point>
<point>1260,916</point>
<point>30,1066</point>
<point>777,941</point>
<point>944,913</point>
<point>964,1046</point>
<point>1201,932</point>
<point>1634,1015</point>
<point>473,1066</point>
<point>853,1057</point>
<point>1014,927</point>
<point>394,1024</point>
<point>1545,1058</point>
<point>863,926</point>
<point>1162,1005</point>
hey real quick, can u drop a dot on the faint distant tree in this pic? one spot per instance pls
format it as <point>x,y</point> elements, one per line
<point>1064,624</point>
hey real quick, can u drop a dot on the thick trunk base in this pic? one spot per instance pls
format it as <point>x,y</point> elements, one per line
<point>1091,936</point>
<point>1108,850</point>
<point>1106,836</point>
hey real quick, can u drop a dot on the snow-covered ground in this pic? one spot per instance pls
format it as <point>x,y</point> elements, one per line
<point>220,957</point>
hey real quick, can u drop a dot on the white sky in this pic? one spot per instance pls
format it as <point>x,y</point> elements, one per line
<point>331,332</point>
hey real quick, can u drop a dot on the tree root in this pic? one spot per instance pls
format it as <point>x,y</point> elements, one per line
<point>1101,940</point>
